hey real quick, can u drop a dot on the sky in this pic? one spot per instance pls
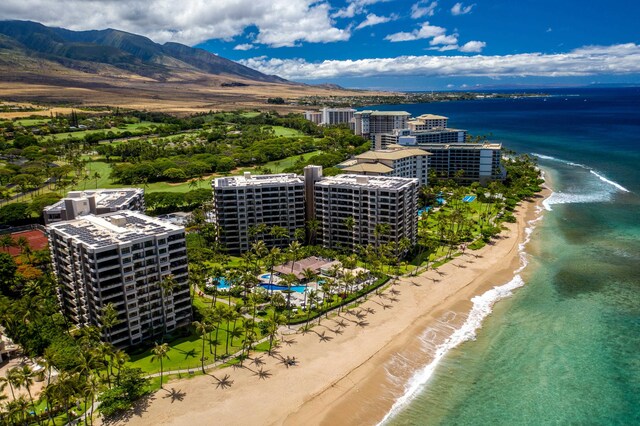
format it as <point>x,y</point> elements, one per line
<point>383,44</point>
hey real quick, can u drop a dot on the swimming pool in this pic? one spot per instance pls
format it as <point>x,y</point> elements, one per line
<point>223,284</point>
<point>296,288</point>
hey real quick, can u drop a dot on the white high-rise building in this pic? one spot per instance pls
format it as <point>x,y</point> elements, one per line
<point>242,203</point>
<point>355,210</point>
<point>122,258</point>
<point>371,123</point>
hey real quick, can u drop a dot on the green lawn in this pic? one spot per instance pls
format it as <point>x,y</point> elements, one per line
<point>279,165</point>
<point>29,122</point>
<point>285,131</point>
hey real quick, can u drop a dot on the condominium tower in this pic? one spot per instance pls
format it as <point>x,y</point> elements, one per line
<point>123,258</point>
<point>355,210</point>
<point>244,203</point>
<point>370,123</point>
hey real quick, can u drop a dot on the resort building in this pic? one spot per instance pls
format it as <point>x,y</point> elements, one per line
<point>476,162</point>
<point>370,123</point>
<point>399,162</point>
<point>123,258</point>
<point>330,116</point>
<point>98,201</point>
<point>356,210</point>
<point>241,203</point>
<point>410,137</point>
<point>313,116</point>
<point>427,122</point>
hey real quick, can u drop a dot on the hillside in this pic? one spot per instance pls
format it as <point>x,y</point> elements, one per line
<point>112,67</point>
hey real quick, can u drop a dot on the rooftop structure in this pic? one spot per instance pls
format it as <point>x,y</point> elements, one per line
<point>427,121</point>
<point>98,201</point>
<point>418,138</point>
<point>121,258</point>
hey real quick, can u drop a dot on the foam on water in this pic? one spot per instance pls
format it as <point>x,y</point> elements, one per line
<point>592,171</point>
<point>482,307</point>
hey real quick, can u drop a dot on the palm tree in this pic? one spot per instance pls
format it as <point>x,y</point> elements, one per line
<point>167,285</point>
<point>7,241</point>
<point>294,250</point>
<point>160,352</point>
<point>24,246</point>
<point>202,328</point>
<point>312,229</point>
<point>109,319</point>
<point>313,295</point>
<point>308,275</point>
<point>279,233</point>
<point>215,317</point>
<point>25,376</point>
<point>97,177</point>
<point>260,249</point>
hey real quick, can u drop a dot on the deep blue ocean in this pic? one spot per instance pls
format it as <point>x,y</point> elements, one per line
<point>565,347</point>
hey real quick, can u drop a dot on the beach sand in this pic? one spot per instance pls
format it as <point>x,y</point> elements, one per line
<point>352,376</point>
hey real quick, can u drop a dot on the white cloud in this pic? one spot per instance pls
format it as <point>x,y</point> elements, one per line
<point>373,19</point>
<point>279,22</point>
<point>589,60</point>
<point>549,29</point>
<point>355,7</point>
<point>445,48</point>
<point>444,39</point>
<point>459,9</point>
<point>245,46</point>
<point>425,31</point>
<point>423,8</point>
<point>473,46</point>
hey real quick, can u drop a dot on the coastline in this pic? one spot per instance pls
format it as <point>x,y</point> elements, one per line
<point>352,374</point>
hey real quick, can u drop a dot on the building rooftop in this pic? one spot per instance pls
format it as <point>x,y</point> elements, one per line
<point>112,228</point>
<point>105,198</point>
<point>373,182</point>
<point>368,168</point>
<point>392,154</point>
<point>439,146</point>
<point>257,180</point>
<point>430,117</point>
<point>371,112</point>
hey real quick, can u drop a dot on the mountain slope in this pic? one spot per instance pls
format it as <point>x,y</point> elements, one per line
<point>130,52</point>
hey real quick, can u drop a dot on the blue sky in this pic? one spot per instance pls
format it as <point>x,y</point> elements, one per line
<point>397,44</point>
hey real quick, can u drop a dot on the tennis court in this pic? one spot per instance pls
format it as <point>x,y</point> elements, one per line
<point>469,198</point>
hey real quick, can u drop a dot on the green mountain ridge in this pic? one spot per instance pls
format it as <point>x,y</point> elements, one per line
<point>84,50</point>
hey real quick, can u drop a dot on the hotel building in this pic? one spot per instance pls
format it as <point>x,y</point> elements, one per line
<point>350,208</point>
<point>427,122</point>
<point>121,258</point>
<point>371,123</point>
<point>419,138</point>
<point>330,116</point>
<point>476,161</point>
<point>398,162</point>
<point>99,201</point>
<point>243,202</point>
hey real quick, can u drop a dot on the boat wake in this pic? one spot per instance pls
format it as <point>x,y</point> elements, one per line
<point>482,308</point>
<point>595,194</point>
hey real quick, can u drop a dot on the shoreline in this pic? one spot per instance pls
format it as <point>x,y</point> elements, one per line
<point>349,371</point>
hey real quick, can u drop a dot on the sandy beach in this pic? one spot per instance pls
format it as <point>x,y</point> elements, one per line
<point>350,369</point>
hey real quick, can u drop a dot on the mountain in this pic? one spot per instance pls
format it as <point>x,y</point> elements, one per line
<point>86,50</point>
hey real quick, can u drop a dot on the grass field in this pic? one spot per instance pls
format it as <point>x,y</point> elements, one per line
<point>279,165</point>
<point>29,122</point>
<point>285,131</point>
<point>116,130</point>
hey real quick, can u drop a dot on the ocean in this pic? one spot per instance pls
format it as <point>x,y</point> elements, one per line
<point>560,343</point>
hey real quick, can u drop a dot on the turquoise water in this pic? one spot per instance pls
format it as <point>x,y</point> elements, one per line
<point>565,348</point>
